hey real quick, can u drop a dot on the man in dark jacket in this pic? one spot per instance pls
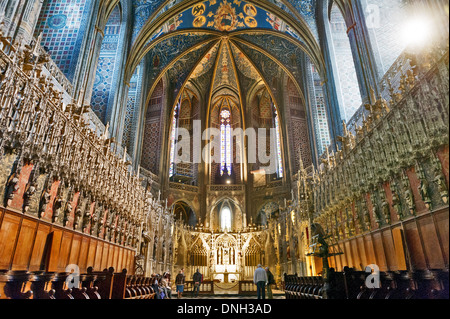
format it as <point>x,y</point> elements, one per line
<point>271,281</point>
<point>180,282</point>
<point>198,279</point>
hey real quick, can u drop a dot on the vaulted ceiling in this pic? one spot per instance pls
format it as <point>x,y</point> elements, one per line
<point>255,41</point>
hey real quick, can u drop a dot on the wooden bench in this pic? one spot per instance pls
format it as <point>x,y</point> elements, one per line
<point>351,284</point>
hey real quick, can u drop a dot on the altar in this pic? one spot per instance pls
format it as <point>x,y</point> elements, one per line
<point>227,277</point>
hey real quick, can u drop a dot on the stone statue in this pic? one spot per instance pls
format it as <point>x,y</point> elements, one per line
<point>396,203</point>
<point>45,199</point>
<point>78,215</point>
<point>439,180</point>
<point>423,191</point>
<point>57,207</point>
<point>67,211</point>
<point>29,193</point>
<point>12,188</point>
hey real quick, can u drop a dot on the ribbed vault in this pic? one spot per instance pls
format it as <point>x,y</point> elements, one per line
<point>235,20</point>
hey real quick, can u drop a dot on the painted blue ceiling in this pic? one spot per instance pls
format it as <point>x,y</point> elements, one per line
<point>209,15</point>
<point>169,50</point>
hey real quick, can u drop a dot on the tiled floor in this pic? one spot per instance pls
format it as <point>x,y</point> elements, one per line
<point>231,291</point>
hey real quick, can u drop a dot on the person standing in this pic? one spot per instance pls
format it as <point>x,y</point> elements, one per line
<point>166,283</point>
<point>260,280</point>
<point>155,286</point>
<point>180,282</point>
<point>271,281</point>
<point>198,279</point>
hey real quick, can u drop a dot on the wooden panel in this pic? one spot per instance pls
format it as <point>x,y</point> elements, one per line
<point>356,257</point>
<point>343,257</point>
<point>110,257</point>
<point>442,223</point>
<point>75,250</point>
<point>379,251</point>
<point>126,259</point>
<point>37,261</point>
<point>104,264</point>
<point>362,252</point>
<point>130,260</point>
<point>24,245</point>
<point>414,246</point>
<point>348,255</point>
<point>370,252</point>
<point>331,262</point>
<point>98,257</point>
<point>389,250</point>
<point>397,234</point>
<point>120,264</point>
<point>116,257</point>
<point>82,260</point>
<point>53,254</point>
<point>431,243</point>
<point>131,266</point>
<point>65,251</point>
<point>8,234</point>
<point>91,254</point>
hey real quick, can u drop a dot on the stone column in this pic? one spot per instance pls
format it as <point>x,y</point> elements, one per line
<point>363,56</point>
<point>29,19</point>
<point>10,13</point>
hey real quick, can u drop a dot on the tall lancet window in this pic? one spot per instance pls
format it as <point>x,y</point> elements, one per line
<point>280,170</point>
<point>226,143</point>
<point>225,218</point>
<point>173,139</point>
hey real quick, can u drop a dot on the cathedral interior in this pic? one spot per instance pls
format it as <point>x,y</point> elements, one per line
<point>139,137</point>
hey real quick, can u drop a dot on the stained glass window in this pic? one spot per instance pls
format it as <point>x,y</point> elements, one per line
<point>226,219</point>
<point>280,171</point>
<point>226,142</point>
<point>173,138</point>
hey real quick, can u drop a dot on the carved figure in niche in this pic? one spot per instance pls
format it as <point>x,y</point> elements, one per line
<point>155,246</point>
<point>108,232</point>
<point>86,220</point>
<point>67,212</point>
<point>385,210</point>
<point>423,187</point>
<point>385,207</point>
<point>409,197</point>
<point>78,215</point>
<point>112,233</point>
<point>367,221</point>
<point>117,238</point>
<point>57,207</point>
<point>94,224</point>
<point>163,255</point>
<point>396,202</point>
<point>442,187</point>
<point>423,191</point>
<point>439,180</point>
<point>29,193</point>
<point>45,199</point>
<point>12,188</point>
<point>351,226</point>
<point>375,213</point>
